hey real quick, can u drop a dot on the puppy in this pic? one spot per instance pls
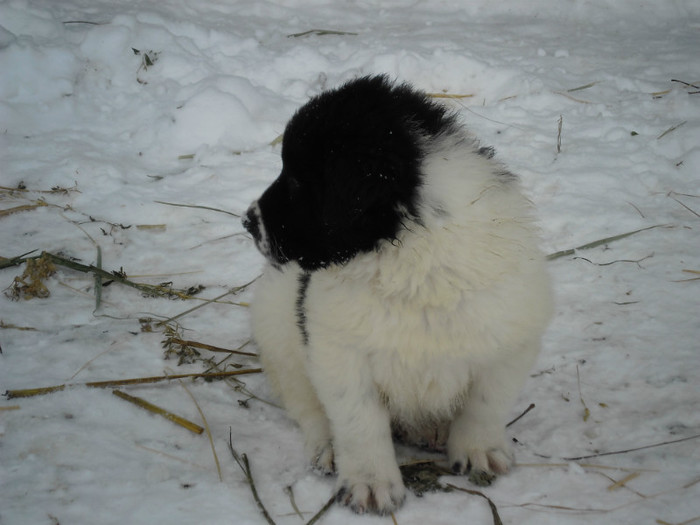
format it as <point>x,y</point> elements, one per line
<point>404,289</point>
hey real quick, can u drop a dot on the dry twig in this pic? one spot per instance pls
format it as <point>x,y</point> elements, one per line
<point>197,206</point>
<point>206,427</point>
<point>688,85</point>
<point>600,242</point>
<point>559,126</point>
<point>671,195</point>
<point>243,462</point>
<point>450,95</point>
<point>211,348</point>
<point>160,411</point>
<point>31,392</point>
<point>621,483</point>
<point>23,207</point>
<point>581,88</point>
<point>322,511</point>
<point>290,492</point>
<point>695,272</point>
<point>601,454</point>
<point>232,291</point>
<point>532,405</point>
<point>492,505</point>
<point>672,128</point>
<point>320,32</point>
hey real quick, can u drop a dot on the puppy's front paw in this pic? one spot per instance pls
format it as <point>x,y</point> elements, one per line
<point>322,459</point>
<point>378,496</point>
<point>482,463</point>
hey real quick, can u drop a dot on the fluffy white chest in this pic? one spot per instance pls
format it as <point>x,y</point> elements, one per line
<point>420,386</point>
<point>420,359</point>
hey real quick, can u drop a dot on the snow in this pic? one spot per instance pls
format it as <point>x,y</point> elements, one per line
<point>81,108</point>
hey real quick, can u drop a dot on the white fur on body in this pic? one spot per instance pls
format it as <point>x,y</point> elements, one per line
<point>440,325</point>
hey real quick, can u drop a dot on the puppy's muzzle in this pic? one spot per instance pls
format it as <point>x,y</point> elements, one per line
<point>251,221</point>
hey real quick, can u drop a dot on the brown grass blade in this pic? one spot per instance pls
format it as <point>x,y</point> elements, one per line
<point>31,392</point>
<point>140,402</point>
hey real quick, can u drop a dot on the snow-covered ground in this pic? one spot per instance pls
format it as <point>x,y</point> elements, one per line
<point>130,104</point>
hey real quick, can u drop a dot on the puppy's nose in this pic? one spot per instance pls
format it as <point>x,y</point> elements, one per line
<point>246,221</point>
<point>251,221</point>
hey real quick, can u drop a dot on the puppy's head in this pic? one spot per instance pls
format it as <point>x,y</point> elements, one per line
<point>350,173</point>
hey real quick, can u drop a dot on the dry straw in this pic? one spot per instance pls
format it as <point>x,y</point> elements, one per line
<point>244,464</point>
<point>140,402</point>
<point>321,32</point>
<point>31,392</point>
<point>206,427</point>
<point>601,242</point>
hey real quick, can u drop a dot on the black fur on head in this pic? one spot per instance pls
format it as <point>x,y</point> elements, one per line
<point>351,162</point>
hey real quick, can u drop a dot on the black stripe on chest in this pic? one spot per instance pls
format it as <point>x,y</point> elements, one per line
<point>304,279</point>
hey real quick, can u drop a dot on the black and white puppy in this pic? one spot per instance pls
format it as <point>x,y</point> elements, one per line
<point>404,291</point>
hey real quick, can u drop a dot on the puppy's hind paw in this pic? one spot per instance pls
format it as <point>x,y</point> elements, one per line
<point>380,497</point>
